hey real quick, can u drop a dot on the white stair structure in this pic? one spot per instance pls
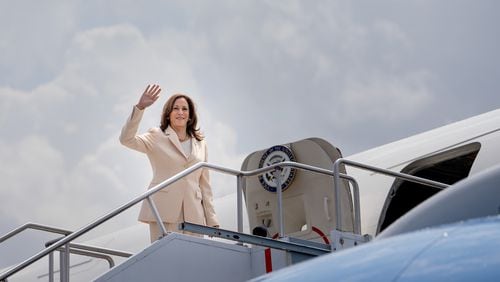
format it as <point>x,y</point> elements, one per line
<point>179,257</point>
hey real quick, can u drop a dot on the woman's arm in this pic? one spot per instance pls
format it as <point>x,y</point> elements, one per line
<point>128,135</point>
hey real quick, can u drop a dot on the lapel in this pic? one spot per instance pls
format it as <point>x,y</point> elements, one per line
<point>175,140</point>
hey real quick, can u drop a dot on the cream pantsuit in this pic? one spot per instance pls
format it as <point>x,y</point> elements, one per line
<point>192,195</point>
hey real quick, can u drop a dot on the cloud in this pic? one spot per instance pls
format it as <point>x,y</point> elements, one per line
<point>262,73</point>
<point>33,38</point>
<point>31,174</point>
<point>222,144</point>
<point>76,162</point>
<point>300,59</point>
<point>39,186</point>
<point>385,98</point>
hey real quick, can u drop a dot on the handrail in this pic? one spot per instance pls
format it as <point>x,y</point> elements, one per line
<point>100,250</point>
<point>74,249</point>
<point>93,249</point>
<point>153,190</point>
<point>79,249</point>
<point>107,258</point>
<point>408,177</point>
<point>357,208</point>
<point>83,250</point>
<point>36,226</point>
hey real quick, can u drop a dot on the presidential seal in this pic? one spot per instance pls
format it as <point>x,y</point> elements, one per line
<point>277,154</point>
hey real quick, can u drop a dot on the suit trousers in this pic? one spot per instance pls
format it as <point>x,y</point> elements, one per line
<point>155,230</point>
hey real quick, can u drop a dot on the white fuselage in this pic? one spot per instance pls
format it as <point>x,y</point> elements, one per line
<point>374,188</point>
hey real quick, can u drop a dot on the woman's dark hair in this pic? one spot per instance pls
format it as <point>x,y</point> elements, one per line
<point>193,117</point>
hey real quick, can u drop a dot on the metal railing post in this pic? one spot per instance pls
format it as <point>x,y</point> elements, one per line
<point>62,264</point>
<point>239,201</point>
<point>157,216</point>
<point>336,184</point>
<point>279,193</point>
<point>51,267</point>
<point>357,207</point>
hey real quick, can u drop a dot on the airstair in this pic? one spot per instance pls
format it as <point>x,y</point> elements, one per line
<point>298,208</point>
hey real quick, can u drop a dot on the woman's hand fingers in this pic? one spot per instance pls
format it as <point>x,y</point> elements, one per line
<point>149,96</point>
<point>155,91</point>
<point>152,90</point>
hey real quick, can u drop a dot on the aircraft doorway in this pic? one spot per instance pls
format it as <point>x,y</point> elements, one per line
<point>447,167</point>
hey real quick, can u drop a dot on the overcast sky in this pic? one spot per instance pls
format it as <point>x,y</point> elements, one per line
<point>356,73</point>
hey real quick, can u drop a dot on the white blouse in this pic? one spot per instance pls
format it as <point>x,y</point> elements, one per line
<point>186,146</point>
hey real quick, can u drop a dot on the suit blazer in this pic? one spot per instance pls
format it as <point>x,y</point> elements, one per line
<point>191,193</point>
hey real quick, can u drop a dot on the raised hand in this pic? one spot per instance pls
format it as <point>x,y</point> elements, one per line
<point>150,95</point>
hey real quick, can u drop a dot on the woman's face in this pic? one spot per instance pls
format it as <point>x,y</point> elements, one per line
<point>180,113</point>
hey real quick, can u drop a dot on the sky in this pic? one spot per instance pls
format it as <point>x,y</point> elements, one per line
<point>358,74</point>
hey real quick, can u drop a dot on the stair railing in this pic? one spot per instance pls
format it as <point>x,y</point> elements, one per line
<point>82,250</point>
<point>74,248</point>
<point>34,226</point>
<point>64,242</point>
<point>240,176</point>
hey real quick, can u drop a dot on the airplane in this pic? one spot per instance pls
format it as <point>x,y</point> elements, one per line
<point>452,236</point>
<point>329,208</point>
